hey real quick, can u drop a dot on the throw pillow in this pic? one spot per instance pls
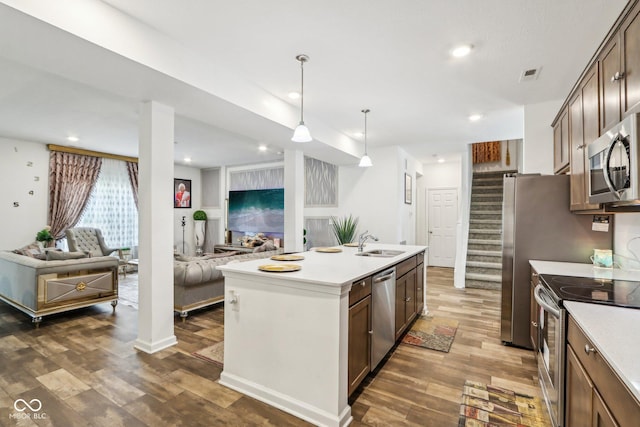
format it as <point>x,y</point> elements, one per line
<point>56,256</point>
<point>31,250</point>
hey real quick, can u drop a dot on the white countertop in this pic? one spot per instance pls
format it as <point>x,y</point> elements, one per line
<point>583,270</point>
<point>332,269</point>
<point>616,333</point>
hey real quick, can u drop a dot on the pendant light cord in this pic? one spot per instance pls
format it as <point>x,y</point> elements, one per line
<point>365,130</point>
<point>302,90</point>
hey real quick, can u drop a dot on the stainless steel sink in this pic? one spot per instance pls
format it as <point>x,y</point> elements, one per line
<point>381,253</point>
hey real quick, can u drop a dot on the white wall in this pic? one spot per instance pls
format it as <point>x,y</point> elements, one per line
<point>537,155</point>
<point>20,224</point>
<point>185,172</point>
<point>376,195</point>
<point>626,228</point>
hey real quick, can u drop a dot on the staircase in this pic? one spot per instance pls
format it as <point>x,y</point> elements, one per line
<point>484,250</point>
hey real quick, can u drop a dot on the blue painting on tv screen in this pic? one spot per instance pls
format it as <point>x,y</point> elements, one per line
<point>256,211</point>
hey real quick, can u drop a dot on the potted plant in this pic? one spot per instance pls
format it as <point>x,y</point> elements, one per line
<point>44,236</point>
<point>200,219</point>
<point>344,228</point>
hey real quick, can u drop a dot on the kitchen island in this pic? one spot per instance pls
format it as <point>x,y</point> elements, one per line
<point>286,334</point>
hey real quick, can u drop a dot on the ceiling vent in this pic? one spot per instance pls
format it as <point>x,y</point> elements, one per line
<point>528,75</point>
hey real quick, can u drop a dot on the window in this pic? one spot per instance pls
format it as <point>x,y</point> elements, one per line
<point>111,206</point>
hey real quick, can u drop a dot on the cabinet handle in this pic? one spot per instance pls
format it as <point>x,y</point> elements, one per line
<point>363,283</point>
<point>419,289</point>
<point>534,324</point>
<point>588,349</point>
<point>580,147</point>
<point>370,332</point>
<point>617,76</point>
<point>408,299</point>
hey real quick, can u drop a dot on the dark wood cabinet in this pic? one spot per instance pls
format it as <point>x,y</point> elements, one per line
<point>584,128</point>
<point>405,301</point>
<point>601,415</point>
<point>534,313</point>
<point>606,92</point>
<point>578,392</point>
<point>610,75</point>
<point>561,143</point>
<point>420,287</point>
<point>408,305</point>
<point>359,342</point>
<point>594,394</point>
<point>629,39</point>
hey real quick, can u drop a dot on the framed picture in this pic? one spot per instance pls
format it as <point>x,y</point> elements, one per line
<point>181,193</point>
<point>407,188</point>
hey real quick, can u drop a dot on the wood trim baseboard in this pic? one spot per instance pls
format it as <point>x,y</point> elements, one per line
<point>74,150</point>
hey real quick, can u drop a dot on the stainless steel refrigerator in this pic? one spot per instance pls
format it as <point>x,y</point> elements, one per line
<point>537,225</point>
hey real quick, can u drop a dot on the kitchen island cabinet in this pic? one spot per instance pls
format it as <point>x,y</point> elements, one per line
<point>287,334</point>
<point>359,332</point>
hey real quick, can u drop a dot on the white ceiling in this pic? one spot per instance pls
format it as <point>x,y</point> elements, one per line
<point>389,56</point>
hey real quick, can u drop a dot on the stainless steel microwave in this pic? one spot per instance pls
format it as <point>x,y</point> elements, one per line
<point>613,164</point>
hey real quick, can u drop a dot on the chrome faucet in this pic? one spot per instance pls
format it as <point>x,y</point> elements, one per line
<point>363,238</point>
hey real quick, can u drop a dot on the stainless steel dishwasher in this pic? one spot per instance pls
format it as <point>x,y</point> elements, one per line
<point>383,315</point>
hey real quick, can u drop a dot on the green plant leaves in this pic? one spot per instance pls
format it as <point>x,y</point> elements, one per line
<point>344,228</point>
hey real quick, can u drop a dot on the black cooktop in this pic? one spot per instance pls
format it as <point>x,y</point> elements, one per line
<point>622,293</point>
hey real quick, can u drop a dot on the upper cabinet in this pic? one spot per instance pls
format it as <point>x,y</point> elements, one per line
<point>607,91</point>
<point>561,143</point>
<point>584,128</point>
<point>630,60</point>
<point>610,77</point>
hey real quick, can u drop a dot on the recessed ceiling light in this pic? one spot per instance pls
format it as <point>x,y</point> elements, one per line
<point>358,134</point>
<point>73,139</point>
<point>262,147</point>
<point>475,117</point>
<point>294,95</point>
<point>461,51</point>
<point>440,160</point>
<point>187,159</point>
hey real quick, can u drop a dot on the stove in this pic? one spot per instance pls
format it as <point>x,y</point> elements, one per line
<point>623,293</point>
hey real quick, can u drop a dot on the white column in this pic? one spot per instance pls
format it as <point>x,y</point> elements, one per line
<point>155,211</point>
<point>293,200</point>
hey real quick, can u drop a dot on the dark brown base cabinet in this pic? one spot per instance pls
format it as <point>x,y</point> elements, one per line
<point>594,395</point>
<point>359,342</point>
<point>405,294</point>
<point>409,305</point>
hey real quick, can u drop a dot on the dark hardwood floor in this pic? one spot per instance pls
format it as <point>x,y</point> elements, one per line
<point>83,368</point>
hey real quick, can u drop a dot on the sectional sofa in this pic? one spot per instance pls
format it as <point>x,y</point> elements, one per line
<point>197,283</point>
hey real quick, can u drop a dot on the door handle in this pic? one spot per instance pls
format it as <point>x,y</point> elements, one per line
<point>617,76</point>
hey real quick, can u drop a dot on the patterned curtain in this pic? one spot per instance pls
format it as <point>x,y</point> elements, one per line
<point>132,169</point>
<point>71,178</point>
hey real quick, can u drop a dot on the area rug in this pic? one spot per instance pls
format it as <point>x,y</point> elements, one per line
<point>213,353</point>
<point>434,333</point>
<point>490,406</point>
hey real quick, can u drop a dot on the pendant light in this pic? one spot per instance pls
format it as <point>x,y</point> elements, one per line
<point>301,134</point>
<point>365,161</point>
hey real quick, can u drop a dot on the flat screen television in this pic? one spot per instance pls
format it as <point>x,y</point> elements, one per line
<point>256,211</point>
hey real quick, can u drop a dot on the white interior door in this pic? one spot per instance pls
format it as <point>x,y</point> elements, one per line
<point>443,216</point>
